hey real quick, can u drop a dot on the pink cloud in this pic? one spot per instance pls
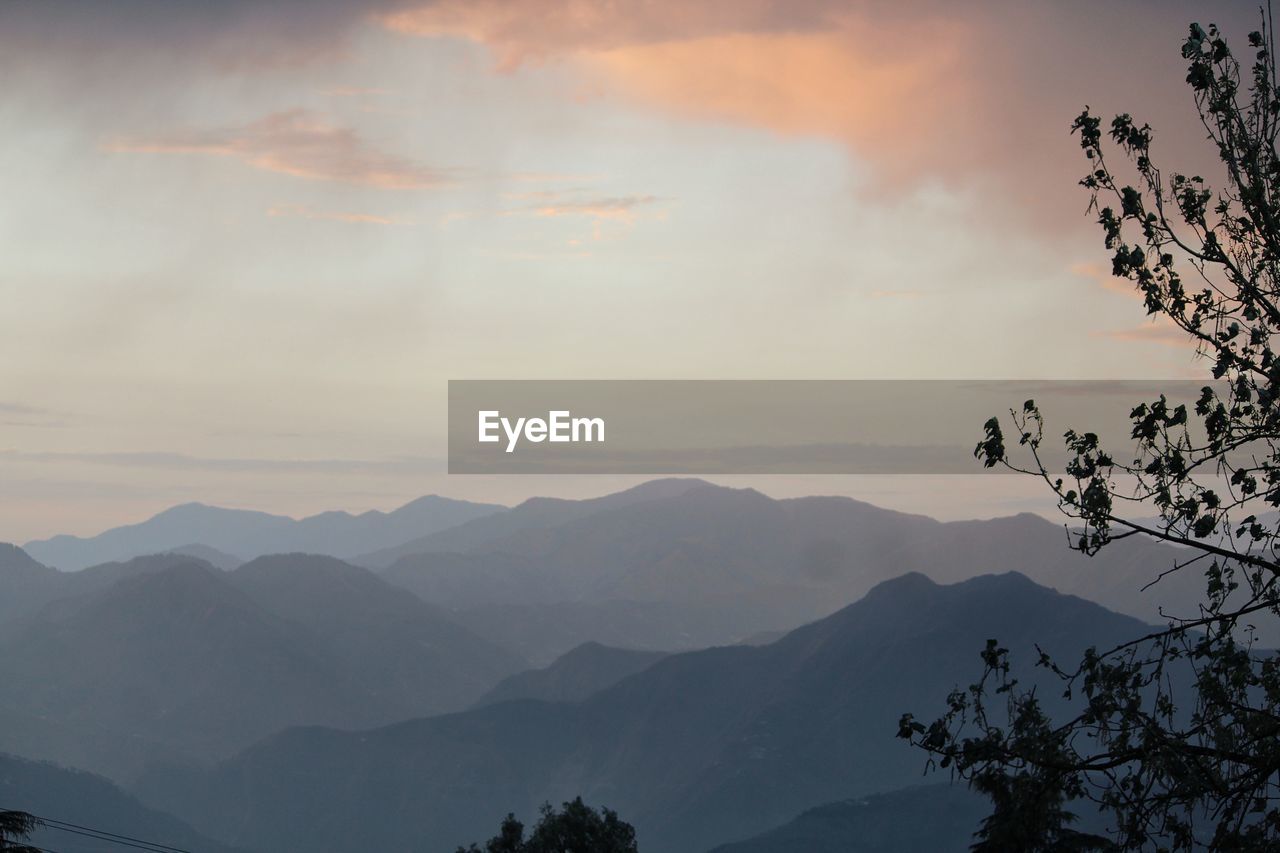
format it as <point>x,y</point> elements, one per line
<point>298,143</point>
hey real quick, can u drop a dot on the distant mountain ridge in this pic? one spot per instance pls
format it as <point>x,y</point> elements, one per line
<point>246,534</point>
<point>532,514</point>
<point>681,564</point>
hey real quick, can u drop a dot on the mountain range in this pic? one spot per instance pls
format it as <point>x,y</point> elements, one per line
<point>672,564</point>
<point>697,664</point>
<point>683,564</point>
<point>697,749</point>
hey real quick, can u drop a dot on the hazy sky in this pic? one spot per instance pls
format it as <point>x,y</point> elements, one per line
<point>244,245</point>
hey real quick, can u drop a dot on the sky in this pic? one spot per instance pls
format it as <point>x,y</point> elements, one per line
<point>245,245</point>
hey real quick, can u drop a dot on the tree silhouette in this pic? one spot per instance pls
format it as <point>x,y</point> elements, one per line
<point>1177,737</point>
<point>577,828</point>
<point>15,826</point>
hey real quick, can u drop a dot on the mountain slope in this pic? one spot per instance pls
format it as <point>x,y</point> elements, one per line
<point>697,749</point>
<point>24,583</point>
<point>162,660</point>
<point>457,580</point>
<point>75,797</point>
<point>250,534</point>
<point>175,662</point>
<point>576,675</point>
<point>933,818</point>
<point>404,655</point>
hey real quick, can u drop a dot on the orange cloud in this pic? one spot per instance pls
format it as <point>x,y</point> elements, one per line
<point>601,208</point>
<point>794,70</point>
<point>1101,276</point>
<point>979,94</point>
<point>555,204</point>
<point>298,143</point>
<point>800,84</point>
<point>1161,331</point>
<point>529,30</point>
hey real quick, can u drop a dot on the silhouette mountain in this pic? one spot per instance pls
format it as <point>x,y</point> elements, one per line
<point>249,534</point>
<point>579,673</point>
<point>76,797</point>
<point>697,749</point>
<point>166,658</point>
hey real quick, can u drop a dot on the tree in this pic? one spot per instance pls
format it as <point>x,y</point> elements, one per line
<point>1176,737</point>
<point>577,828</point>
<point>14,827</point>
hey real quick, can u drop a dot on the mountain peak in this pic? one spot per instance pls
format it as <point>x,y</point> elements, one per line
<point>913,588</point>
<point>212,556</point>
<point>195,509</point>
<point>300,567</point>
<point>298,561</point>
<point>433,501</point>
<point>909,584</point>
<point>665,487</point>
<point>170,592</point>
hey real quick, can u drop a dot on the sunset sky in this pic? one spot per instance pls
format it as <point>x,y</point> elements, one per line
<point>244,246</point>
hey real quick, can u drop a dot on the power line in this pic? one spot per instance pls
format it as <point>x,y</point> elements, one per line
<point>111,839</point>
<point>103,835</point>
<point>62,824</point>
